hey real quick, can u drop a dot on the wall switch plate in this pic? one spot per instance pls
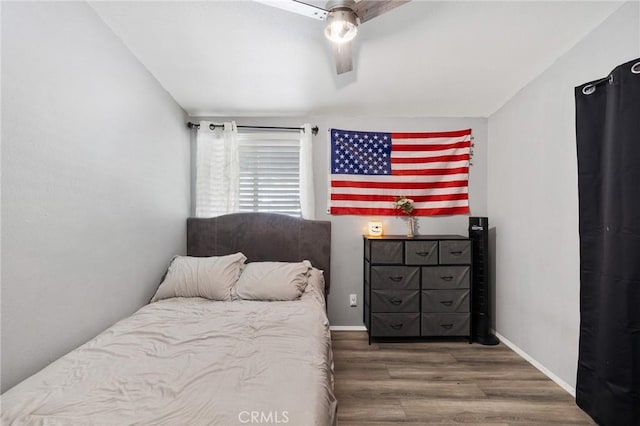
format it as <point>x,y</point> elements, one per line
<point>353,300</point>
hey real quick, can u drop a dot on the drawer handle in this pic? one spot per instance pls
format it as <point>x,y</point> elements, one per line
<point>395,301</point>
<point>422,253</point>
<point>396,326</point>
<point>447,302</point>
<point>447,278</point>
<point>446,326</point>
<point>456,253</point>
<point>396,279</point>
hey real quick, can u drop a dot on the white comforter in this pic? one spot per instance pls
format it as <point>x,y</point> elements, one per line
<point>191,361</point>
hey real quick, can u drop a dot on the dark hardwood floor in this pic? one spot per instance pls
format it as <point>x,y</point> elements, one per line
<point>443,383</point>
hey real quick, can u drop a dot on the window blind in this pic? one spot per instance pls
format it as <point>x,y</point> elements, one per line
<point>269,172</point>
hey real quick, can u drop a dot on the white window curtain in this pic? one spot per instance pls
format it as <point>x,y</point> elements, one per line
<point>307,194</point>
<point>217,170</point>
<point>254,171</point>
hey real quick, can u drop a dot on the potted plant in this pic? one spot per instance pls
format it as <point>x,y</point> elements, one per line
<point>405,206</point>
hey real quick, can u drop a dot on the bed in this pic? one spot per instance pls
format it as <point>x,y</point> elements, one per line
<point>190,360</point>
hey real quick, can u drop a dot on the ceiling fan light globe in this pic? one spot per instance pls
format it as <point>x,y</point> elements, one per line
<point>341,27</point>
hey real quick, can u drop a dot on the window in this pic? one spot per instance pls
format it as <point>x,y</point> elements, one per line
<point>269,165</point>
<point>253,171</point>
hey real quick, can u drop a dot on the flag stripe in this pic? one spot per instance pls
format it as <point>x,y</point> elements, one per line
<point>393,212</point>
<point>432,141</point>
<point>385,204</point>
<point>435,159</point>
<point>430,147</point>
<point>431,172</point>
<point>411,193</point>
<point>391,198</point>
<point>401,185</point>
<point>453,134</point>
<point>400,179</point>
<point>438,165</point>
<point>418,154</point>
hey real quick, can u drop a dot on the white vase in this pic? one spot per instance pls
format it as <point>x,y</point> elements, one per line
<point>410,223</point>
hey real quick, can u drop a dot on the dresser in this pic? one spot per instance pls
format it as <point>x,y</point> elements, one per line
<point>417,286</point>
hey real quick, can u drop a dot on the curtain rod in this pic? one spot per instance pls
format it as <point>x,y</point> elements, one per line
<point>314,130</point>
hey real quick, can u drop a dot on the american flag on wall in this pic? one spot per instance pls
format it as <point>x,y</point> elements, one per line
<point>370,169</point>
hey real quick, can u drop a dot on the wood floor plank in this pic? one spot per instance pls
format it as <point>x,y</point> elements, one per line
<point>353,344</point>
<point>493,410</point>
<point>386,355</point>
<point>349,335</point>
<point>443,383</point>
<point>442,346</point>
<point>399,389</point>
<point>370,411</point>
<point>519,389</point>
<point>466,371</point>
<point>488,358</point>
<point>371,370</point>
<point>413,423</point>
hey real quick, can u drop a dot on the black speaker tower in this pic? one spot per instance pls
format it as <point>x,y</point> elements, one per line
<point>481,309</point>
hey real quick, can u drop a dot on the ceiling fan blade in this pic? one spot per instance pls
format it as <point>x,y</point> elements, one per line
<point>297,7</point>
<point>369,9</point>
<point>342,56</point>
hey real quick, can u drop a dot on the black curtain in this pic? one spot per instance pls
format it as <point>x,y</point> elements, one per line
<point>608,142</point>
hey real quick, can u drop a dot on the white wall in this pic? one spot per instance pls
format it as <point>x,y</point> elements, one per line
<point>533,198</point>
<point>347,246</point>
<point>95,182</point>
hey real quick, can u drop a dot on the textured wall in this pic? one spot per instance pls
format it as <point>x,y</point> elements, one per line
<point>95,182</point>
<point>533,197</point>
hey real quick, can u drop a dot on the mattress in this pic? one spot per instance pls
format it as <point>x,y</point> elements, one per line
<point>191,361</point>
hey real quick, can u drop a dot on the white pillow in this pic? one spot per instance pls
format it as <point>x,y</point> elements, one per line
<point>315,286</point>
<point>273,280</point>
<point>316,281</point>
<point>208,277</point>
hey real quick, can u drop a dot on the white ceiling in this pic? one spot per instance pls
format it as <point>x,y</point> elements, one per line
<point>423,59</point>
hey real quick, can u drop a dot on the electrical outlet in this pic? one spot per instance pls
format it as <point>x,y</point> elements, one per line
<point>353,300</point>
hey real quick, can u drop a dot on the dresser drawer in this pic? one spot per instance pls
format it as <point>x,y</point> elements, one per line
<point>421,253</point>
<point>445,277</point>
<point>446,324</point>
<point>386,252</point>
<point>445,301</point>
<point>390,325</point>
<point>395,301</point>
<point>395,277</point>
<point>453,252</point>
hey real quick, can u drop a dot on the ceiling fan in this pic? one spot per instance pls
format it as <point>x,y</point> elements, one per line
<point>341,17</point>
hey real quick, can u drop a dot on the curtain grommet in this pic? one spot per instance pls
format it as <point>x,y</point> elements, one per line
<point>588,89</point>
<point>611,79</point>
<point>635,68</point>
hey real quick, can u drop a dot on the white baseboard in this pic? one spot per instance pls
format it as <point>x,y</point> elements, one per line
<point>564,385</point>
<point>348,328</point>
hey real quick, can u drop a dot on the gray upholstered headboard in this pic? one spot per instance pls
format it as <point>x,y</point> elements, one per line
<point>263,237</point>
